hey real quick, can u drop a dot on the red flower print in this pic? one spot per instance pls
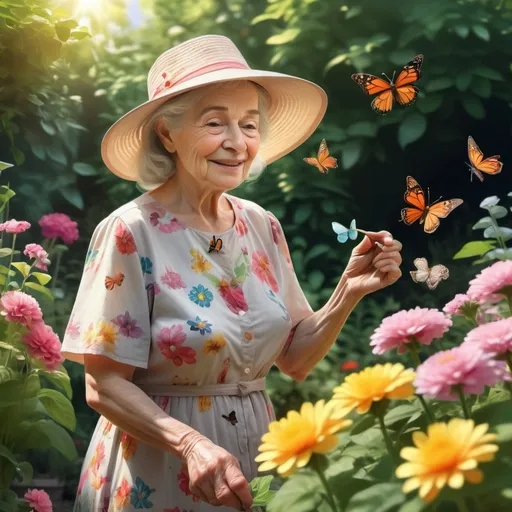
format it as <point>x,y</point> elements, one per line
<point>129,445</point>
<point>237,203</point>
<point>276,229</point>
<point>83,479</point>
<point>184,483</point>
<point>241,227</point>
<point>170,341</point>
<point>221,379</point>
<point>122,495</point>
<point>349,365</point>
<point>125,242</point>
<point>233,296</point>
<point>262,267</point>
<point>164,221</point>
<point>172,279</point>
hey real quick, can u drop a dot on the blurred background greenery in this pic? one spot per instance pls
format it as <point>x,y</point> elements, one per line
<point>70,68</point>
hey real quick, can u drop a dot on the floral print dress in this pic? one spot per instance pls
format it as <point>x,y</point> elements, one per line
<point>202,329</point>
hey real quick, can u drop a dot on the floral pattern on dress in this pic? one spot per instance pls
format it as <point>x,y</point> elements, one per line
<point>184,483</point>
<point>201,296</point>
<point>140,494</point>
<point>200,325</point>
<point>214,344</point>
<point>163,220</point>
<point>104,335</point>
<point>172,279</point>
<point>125,242</point>
<point>128,326</point>
<point>146,264</point>
<point>129,445</point>
<point>262,267</point>
<point>199,263</point>
<point>170,341</point>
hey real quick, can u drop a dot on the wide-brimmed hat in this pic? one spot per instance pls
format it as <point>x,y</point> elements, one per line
<point>296,105</point>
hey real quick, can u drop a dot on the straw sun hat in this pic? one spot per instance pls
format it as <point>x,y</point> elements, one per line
<point>296,106</point>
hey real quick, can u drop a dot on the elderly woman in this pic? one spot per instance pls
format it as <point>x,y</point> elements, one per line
<point>188,295</point>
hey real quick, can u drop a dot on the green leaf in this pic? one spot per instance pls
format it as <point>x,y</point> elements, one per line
<point>286,36</point>
<point>59,407</point>
<point>84,169</point>
<point>501,232</point>
<point>316,251</point>
<point>439,84</point>
<point>498,211</point>
<point>74,196</point>
<point>411,129</point>
<point>382,497</point>
<point>483,223</point>
<point>316,279</point>
<point>475,248</point>
<point>481,86</point>
<point>23,268</point>
<point>342,57</point>
<point>260,490</point>
<point>364,423</point>
<point>35,100</point>
<point>12,390</point>
<point>473,106</point>
<point>362,129</point>
<point>4,270</point>
<point>7,374</point>
<point>5,165</point>
<point>486,72</point>
<point>23,469</point>
<point>300,493</point>
<point>48,128</point>
<point>489,201</point>
<point>461,30</point>
<point>430,103</point>
<point>463,80</point>
<point>42,278</point>
<point>481,32</point>
<point>39,288</point>
<point>302,212</point>
<point>59,379</point>
<point>350,153</point>
<point>58,437</point>
<point>19,156</point>
<point>399,413</point>
<point>5,195</point>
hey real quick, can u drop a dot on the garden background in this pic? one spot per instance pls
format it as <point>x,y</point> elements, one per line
<point>69,69</point>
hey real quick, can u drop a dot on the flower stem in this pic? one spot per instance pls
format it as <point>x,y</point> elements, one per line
<point>465,408</point>
<point>318,469</point>
<point>497,231</point>
<point>430,415</point>
<point>6,285</point>
<point>387,440</point>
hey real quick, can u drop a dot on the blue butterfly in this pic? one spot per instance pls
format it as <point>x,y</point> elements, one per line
<point>345,233</point>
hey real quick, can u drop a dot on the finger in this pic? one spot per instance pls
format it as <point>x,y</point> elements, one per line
<point>382,256</point>
<point>239,486</point>
<point>384,263</point>
<point>394,246</point>
<point>392,270</point>
<point>384,237</point>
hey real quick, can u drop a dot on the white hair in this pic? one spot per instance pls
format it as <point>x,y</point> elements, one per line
<point>156,164</point>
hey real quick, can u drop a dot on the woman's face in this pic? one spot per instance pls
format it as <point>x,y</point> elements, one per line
<point>219,138</point>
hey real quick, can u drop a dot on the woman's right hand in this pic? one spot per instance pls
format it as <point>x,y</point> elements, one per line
<point>215,475</point>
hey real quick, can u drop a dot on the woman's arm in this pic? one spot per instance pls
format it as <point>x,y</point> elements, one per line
<point>110,392</point>
<point>315,335</point>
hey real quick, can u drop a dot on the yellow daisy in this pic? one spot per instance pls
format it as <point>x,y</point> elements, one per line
<point>214,344</point>
<point>290,442</point>
<point>448,454</point>
<point>200,264</point>
<point>107,334</point>
<point>383,381</point>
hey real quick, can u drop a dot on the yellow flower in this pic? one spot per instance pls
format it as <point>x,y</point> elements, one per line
<point>448,454</point>
<point>290,442</point>
<point>379,382</point>
<point>107,335</point>
<point>204,403</point>
<point>214,344</point>
<point>200,264</point>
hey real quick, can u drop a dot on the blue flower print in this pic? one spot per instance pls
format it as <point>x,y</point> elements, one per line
<point>201,296</point>
<point>200,325</point>
<point>147,265</point>
<point>140,493</point>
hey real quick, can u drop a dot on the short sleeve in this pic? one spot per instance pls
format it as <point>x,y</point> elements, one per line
<point>110,315</point>
<point>294,299</point>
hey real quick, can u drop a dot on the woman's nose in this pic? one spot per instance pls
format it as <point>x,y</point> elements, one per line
<point>235,140</point>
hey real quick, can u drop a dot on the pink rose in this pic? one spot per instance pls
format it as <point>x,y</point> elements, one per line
<point>14,226</point>
<point>38,500</point>
<point>37,252</point>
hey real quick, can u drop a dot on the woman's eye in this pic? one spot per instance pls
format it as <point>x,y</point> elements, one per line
<point>214,124</point>
<point>251,127</point>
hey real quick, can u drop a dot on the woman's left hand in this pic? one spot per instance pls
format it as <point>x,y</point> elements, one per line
<point>374,264</point>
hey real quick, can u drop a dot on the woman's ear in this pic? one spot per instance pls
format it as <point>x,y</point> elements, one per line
<point>162,130</point>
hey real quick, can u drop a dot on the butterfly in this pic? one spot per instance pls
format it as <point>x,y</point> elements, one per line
<point>215,244</point>
<point>323,162</point>
<point>345,233</point>
<point>231,418</point>
<point>402,91</point>
<point>478,165</point>
<point>432,276</point>
<point>429,214</point>
<point>110,282</point>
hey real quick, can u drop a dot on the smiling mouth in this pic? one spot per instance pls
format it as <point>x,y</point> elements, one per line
<point>227,164</point>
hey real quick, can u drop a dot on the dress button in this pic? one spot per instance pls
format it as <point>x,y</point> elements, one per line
<point>247,370</point>
<point>241,312</point>
<point>248,336</point>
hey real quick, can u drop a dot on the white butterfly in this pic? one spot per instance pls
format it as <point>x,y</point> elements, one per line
<point>432,276</point>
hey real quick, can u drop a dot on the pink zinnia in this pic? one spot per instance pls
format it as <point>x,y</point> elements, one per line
<point>454,306</point>
<point>241,227</point>
<point>491,283</point>
<point>38,500</point>
<point>21,308</point>
<point>420,324</point>
<point>37,252</point>
<point>14,227</point>
<point>43,344</point>
<point>173,279</point>
<point>465,366</point>
<point>494,337</point>
<point>57,225</point>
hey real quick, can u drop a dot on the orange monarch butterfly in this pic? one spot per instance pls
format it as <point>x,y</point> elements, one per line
<point>231,418</point>
<point>431,213</point>
<point>323,162</point>
<point>110,282</point>
<point>403,90</point>
<point>478,165</point>
<point>215,244</point>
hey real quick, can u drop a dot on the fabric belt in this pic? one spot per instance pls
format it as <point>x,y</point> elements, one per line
<point>242,388</point>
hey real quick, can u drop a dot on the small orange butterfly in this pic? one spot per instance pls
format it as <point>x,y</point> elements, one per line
<point>478,165</point>
<point>110,282</point>
<point>215,244</point>
<point>402,91</point>
<point>428,213</point>
<point>323,162</point>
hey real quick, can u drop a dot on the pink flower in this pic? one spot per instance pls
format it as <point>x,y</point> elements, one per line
<point>487,314</point>
<point>490,283</point>
<point>38,500</point>
<point>454,306</point>
<point>36,251</point>
<point>466,366</point>
<point>420,324</point>
<point>172,279</point>
<point>59,225</point>
<point>21,308</point>
<point>170,341</point>
<point>15,227</point>
<point>241,227</point>
<point>233,296</point>
<point>262,267</point>
<point>43,344</point>
<point>128,326</point>
<point>494,337</point>
<point>276,229</point>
